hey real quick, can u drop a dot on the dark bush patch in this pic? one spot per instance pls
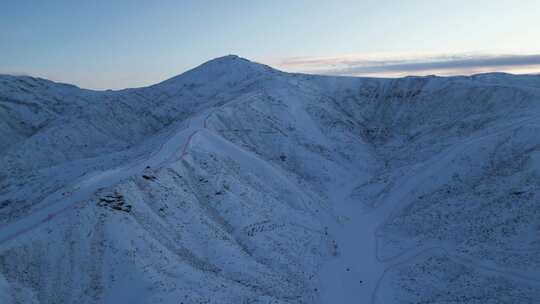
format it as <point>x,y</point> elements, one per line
<point>115,202</point>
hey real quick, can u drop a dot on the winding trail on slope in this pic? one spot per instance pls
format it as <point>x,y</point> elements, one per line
<point>57,203</point>
<point>355,274</point>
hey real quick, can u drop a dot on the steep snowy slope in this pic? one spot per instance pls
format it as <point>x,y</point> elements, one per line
<point>237,183</point>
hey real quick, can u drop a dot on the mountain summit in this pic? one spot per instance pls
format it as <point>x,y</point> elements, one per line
<point>230,68</point>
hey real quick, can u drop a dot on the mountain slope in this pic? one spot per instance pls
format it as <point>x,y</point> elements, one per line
<point>237,183</point>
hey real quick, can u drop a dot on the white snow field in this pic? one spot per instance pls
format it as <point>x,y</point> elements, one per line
<point>238,183</point>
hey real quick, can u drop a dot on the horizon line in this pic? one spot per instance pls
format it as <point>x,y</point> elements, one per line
<point>366,66</point>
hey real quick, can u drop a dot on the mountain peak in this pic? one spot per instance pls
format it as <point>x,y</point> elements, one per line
<point>229,57</point>
<point>232,62</point>
<point>228,68</point>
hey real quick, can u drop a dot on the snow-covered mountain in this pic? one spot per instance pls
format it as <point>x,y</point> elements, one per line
<point>238,183</point>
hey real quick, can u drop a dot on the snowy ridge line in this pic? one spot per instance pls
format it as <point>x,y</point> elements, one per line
<point>186,124</point>
<point>63,191</point>
<point>190,137</point>
<point>523,88</point>
<point>53,215</point>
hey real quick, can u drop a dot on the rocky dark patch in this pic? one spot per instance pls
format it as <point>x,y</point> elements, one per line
<point>115,202</point>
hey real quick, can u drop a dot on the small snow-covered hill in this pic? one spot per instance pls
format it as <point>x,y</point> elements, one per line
<point>238,183</point>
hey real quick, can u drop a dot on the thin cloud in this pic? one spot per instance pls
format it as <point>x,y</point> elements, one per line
<point>373,65</point>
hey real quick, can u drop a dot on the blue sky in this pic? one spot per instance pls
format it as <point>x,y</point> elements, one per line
<point>117,44</point>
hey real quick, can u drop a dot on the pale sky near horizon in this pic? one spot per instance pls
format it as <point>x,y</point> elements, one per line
<point>116,44</point>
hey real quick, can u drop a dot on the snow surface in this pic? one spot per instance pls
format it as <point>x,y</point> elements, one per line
<point>238,183</point>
